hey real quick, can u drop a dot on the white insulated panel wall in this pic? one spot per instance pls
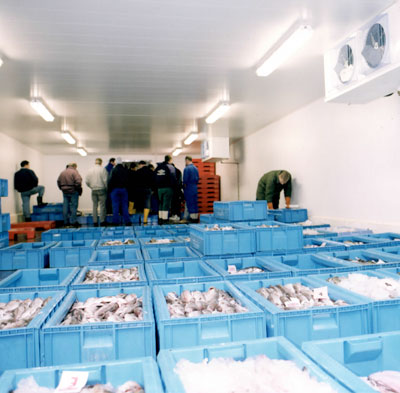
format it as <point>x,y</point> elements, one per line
<point>345,161</point>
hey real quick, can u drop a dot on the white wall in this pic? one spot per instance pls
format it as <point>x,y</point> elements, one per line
<point>344,160</point>
<point>12,153</point>
<point>54,165</point>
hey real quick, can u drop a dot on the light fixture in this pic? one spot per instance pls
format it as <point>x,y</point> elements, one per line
<point>68,137</point>
<point>287,45</point>
<point>39,106</point>
<point>177,151</point>
<point>191,138</point>
<point>1,62</point>
<point>217,112</point>
<point>82,151</point>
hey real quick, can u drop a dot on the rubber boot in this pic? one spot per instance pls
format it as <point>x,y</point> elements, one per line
<point>145,215</point>
<point>131,208</point>
<point>28,219</point>
<point>40,202</point>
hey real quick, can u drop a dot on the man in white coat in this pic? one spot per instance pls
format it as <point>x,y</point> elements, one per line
<point>96,179</point>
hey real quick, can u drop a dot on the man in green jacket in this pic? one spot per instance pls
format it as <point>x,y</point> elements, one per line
<point>270,186</point>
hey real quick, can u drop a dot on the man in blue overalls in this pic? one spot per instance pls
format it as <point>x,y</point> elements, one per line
<point>190,180</point>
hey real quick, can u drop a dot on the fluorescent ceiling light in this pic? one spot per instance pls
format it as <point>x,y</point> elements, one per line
<point>39,106</point>
<point>68,137</point>
<point>1,62</point>
<point>191,138</point>
<point>177,151</point>
<point>81,151</point>
<point>217,112</point>
<point>290,42</point>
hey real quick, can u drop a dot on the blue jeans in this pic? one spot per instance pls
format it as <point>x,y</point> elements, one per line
<point>119,199</point>
<point>26,199</point>
<point>69,208</point>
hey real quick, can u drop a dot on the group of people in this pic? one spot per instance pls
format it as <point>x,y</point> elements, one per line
<point>119,189</point>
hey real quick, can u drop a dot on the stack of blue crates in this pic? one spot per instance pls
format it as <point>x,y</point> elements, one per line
<point>273,252</point>
<point>50,212</point>
<point>5,223</point>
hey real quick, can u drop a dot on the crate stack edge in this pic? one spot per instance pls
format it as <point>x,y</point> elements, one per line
<point>209,185</point>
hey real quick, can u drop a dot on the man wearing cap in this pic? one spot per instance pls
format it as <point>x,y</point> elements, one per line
<point>190,180</point>
<point>26,182</point>
<point>270,186</point>
<point>70,183</point>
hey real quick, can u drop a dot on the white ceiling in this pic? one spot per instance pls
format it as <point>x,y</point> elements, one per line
<point>134,75</point>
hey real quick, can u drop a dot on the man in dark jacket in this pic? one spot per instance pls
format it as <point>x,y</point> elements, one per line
<point>190,181</point>
<point>166,182</point>
<point>70,183</point>
<point>145,184</point>
<point>26,182</point>
<point>118,187</point>
<point>270,186</point>
<point>109,167</point>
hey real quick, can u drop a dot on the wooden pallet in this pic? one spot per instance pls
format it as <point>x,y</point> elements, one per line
<point>28,231</point>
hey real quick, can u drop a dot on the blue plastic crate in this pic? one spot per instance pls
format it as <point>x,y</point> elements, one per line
<point>278,237</point>
<point>34,280</point>
<point>224,265</point>
<point>6,273</point>
<point>3,187</point>
<point>165,254</point>
<point>49,208</point>
<point>144,371</point>
<point>120,256</point>
<point>274,348</point>
<point>385,313</point>
<point>56,217</point>
<point>322,245</point>
<point>290,215</point>
<point>25,256</point>
<point>5,224</point>
<point>236,241</point>
<point>78,282</point>
<point>307,264</point>
<point>19,347</point>
<point>240,210</point>
<point>151,232</point>
<point>346,230</point>
<point>366,254</point>
<point>367,242</point>
<point>72,253</point>
<point>207,219</point>
<point>85,220</point>
<point>4,241</point>
<point>309,225</point>
<point>391,251</point>
<point>87,233</point>
<point>179,272</point>
<point>389,238</point>
<point>135,218</point>
<point>40,217</point>
<point>118,233</point>
<point>312,323</point>
<point>182,230</point>
<point>348,359</point>
<point>205,329</point>
<point>93,342</point>
<point>175,241</point>
<point>57,235</point>
<point>309,233</point>
<point>135,244</point>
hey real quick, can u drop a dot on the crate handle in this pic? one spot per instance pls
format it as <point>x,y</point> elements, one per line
<point>214,331</point>
<point>45,275</point>
<point>325,325</point>
<point>362,350</point>
<point>175,267</point>
<point>237,352</point>
<point>97,345</point>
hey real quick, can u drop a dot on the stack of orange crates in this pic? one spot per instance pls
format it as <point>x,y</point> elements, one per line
<point>208,187</point>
